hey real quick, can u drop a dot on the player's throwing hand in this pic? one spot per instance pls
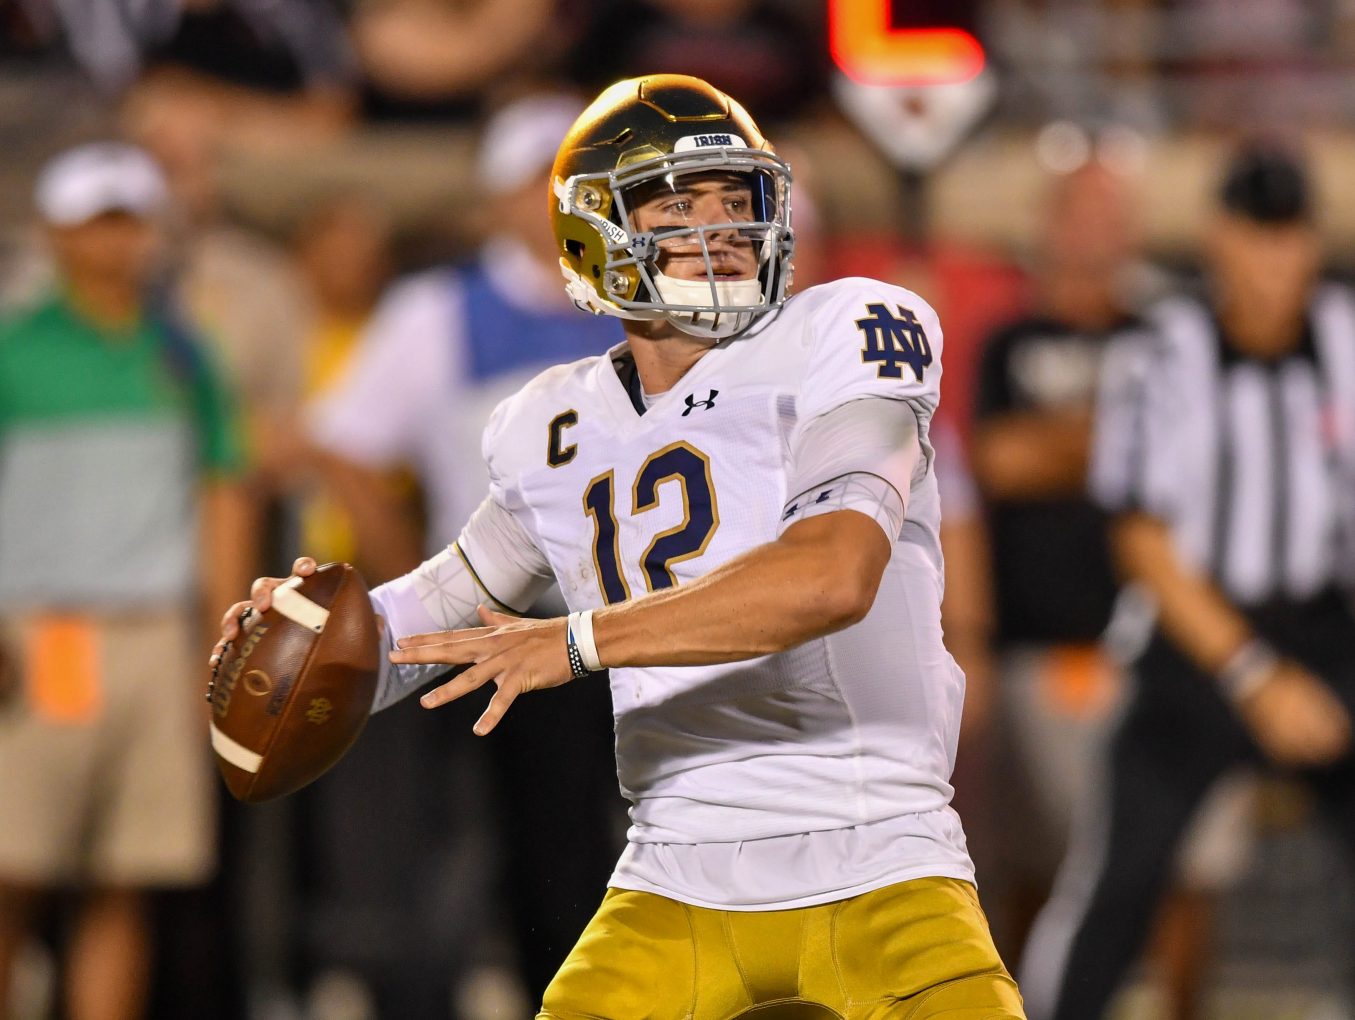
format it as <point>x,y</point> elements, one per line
<point>518,655</point>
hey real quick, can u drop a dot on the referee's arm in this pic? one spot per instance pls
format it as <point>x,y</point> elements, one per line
<point>1293,716</point>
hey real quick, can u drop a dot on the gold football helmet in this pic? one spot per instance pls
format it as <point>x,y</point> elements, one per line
<point>624,189</point>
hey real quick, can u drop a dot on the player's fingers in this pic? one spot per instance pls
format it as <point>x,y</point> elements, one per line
<point>460,685</point>
<point>304,566</point>
<point>230,621</point>
<point>261,592</point>
<point>450,653</point>
<point>442,637</point>
<point>497,707</point>
<point>493,618</point>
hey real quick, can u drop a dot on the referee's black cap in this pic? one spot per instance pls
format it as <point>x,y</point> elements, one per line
<point>1267,183</point>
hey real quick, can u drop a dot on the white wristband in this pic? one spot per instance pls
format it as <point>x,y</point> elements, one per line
<point>581,626</point>
<point>1247,669</point>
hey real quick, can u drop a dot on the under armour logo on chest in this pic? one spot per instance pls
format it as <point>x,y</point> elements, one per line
<point>693,403</point>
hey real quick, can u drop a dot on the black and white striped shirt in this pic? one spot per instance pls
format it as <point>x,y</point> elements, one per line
<point>1251,462</point>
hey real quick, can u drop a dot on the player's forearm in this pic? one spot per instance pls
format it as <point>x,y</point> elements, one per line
<point>1191,610</point>
<point>820,576</point>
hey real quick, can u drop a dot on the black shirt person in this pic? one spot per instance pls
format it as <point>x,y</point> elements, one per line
<point>1052,581</point>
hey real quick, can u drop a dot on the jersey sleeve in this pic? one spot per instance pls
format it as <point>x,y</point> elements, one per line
<point>860,456</point>
<point>403,366</point>
<point>493,562</point>
<point>871,339</point>
<point>506,538</point>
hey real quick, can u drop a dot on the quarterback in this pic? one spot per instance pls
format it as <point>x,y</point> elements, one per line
<point>739,506</point>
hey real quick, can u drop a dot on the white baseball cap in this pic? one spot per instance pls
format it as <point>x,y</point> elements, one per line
<point>100,177</point>
<point>520,140</point>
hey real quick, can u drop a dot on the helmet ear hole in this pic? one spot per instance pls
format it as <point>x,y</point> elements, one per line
<point>575,248</point>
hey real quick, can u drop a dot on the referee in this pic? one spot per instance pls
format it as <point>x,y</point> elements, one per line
<point>1225,451</point>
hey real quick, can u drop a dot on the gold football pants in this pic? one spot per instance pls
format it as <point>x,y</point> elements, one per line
<point>909,951</point>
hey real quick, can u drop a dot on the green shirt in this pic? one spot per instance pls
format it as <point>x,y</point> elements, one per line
<point>105,436</point>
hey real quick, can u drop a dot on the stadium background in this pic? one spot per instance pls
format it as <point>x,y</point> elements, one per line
<point>378,104</point>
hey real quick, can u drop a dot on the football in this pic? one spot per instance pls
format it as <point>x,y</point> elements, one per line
<point>293,691</point>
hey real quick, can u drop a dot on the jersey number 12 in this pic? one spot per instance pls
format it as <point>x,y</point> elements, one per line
<point>680,462</point>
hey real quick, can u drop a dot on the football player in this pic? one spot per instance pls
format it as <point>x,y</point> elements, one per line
<point>740,507</point>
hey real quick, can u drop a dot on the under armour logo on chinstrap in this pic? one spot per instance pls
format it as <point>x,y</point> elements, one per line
<point>693,403</point>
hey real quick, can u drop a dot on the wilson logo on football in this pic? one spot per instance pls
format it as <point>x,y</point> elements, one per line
<point>223,687</point>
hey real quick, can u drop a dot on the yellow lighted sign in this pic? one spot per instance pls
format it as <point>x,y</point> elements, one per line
<point>869,50</point>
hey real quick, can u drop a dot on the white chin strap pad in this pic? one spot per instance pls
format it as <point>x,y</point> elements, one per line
<point>729,293</point>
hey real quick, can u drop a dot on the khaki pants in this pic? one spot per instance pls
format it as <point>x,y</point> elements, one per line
<point>104,768</point>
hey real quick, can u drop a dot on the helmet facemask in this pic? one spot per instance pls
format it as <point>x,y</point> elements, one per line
<point>670,255</point>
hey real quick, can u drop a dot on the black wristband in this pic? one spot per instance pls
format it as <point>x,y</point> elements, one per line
<point>576,667</point>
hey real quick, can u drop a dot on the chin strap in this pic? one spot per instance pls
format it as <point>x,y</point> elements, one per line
<point>713,323</point>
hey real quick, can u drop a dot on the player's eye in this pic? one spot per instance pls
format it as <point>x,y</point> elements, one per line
<point>738,206</point>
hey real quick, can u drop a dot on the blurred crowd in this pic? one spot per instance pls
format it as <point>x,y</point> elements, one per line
<point>266,266</point>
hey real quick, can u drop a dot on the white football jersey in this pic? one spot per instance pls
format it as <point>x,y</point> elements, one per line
<point>844,731</point>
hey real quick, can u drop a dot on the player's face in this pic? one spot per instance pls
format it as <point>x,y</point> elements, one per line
<point>711,199</point>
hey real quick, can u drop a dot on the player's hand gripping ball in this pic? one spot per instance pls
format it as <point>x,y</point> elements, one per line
<point>292,692</point>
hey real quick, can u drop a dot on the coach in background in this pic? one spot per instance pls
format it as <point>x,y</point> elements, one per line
<point>1225,449</point>
<point>118,451</point>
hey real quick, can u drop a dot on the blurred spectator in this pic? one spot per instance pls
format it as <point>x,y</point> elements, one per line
<point>773,58</point>
<point>1089,62</point>
<point>120,451</point>
<point>1052,582</point>
<point>1254,58</point>
<point>265,73</point>
<point>1225,449</point>
<point>343,252</point>
<point>240,287</point>
<point>438,58</point>
<point>444,348</point>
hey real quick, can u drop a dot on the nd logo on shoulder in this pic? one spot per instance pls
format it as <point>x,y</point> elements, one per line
<point>894,341</point>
